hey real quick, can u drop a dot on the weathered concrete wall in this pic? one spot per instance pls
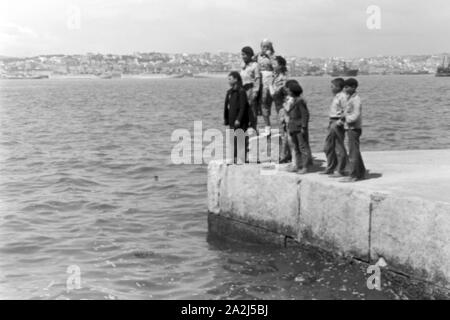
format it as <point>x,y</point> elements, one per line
<point>273,205</point>
<point>335,218</point>
<point>398,214</point>
<point>413,234</point>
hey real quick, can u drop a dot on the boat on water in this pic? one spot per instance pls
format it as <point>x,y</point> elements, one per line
<point>314,71</point>
<point>313,74</point>
<point>414,72</point>
<point>25,77</point>
<point>183,75</point>
<point>195,75</point>
<point>110,75</point>
<point>444,71</point>
<point>344,71</point>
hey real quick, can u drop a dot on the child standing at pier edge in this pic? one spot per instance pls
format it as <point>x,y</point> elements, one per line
<point>251,80</point>
<point>278,93</point>
<point>237,114</point>
<point>353,126</point>
<point>298,116</point>
<point>334,143</point>
<point>265,59</point>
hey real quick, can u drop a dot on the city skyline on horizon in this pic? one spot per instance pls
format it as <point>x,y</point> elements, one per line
<point>131,53</point>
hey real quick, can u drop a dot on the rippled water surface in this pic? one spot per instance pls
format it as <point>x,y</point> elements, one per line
<point>86,180</point>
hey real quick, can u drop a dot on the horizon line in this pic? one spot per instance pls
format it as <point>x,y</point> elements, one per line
<point>2,56</point>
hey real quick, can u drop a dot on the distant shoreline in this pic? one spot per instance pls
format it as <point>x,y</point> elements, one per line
<point>129,76</point>
<point>194,77</point>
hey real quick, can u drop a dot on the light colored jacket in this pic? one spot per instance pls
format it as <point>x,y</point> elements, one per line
<point>266,68</point>
<point>250,73</point>
<point>277,90</point>
<point>353,112</point>
<point>338,105</point>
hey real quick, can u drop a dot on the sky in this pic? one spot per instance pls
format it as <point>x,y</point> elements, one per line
<point>306,28</point>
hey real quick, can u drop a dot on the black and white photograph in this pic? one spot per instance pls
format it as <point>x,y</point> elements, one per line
<point>202,151</point>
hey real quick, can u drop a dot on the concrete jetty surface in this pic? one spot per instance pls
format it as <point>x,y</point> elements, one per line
<point>400,213</point>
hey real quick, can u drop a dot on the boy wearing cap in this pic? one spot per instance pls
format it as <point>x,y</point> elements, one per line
<point>353,125</point>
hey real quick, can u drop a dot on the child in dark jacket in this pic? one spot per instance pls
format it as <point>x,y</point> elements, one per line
<point>237,113</point>
<point>298,119</point>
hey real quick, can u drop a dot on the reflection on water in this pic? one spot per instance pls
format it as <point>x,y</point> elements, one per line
<point>86,180</point>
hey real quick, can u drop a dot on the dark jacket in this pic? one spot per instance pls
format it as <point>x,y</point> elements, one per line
<point>298,116</point>
<point>237,108</point>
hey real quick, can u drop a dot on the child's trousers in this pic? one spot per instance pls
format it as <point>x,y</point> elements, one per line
<point>252,103</point>
<point>357,168</point>
<point>335,148</point>
<point>285,151</point>
<point>301,153</point>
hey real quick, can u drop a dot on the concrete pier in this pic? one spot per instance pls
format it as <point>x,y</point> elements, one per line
<point>400,213</point>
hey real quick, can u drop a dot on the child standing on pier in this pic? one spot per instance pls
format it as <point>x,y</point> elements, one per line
<point>237,115</point>
<point>353,126</point>
<point>251,80</point>
<point>265,62</point>
<point>334,143</point>
<point>278,93</point>
<point>298,119</point>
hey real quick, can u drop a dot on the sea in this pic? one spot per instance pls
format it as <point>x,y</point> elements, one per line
<point>93,207</point>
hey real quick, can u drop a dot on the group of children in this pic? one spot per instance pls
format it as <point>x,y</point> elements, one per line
<point>263,81</point>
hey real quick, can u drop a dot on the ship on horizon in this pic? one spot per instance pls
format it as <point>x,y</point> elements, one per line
<point>443,71</point>
<point>24,76</point>
<point>414,72</point>
<point>344,71</point>
<point>110,75</point>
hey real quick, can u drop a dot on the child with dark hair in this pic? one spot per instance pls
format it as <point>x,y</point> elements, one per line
<point>251,80</point>
<point>298,115</point>
<point>353,125</point>
<point>278,93</point>
<point>236,109</point>
<point>334,143</point>
<point>276,88</point>
<point>236,103</point>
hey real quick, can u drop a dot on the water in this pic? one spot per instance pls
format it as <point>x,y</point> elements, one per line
<point>86,180</point>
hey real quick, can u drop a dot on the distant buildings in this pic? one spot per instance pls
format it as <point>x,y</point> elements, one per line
<point>141,63</point>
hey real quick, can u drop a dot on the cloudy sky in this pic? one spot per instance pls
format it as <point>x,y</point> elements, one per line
<point>312,28</point>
